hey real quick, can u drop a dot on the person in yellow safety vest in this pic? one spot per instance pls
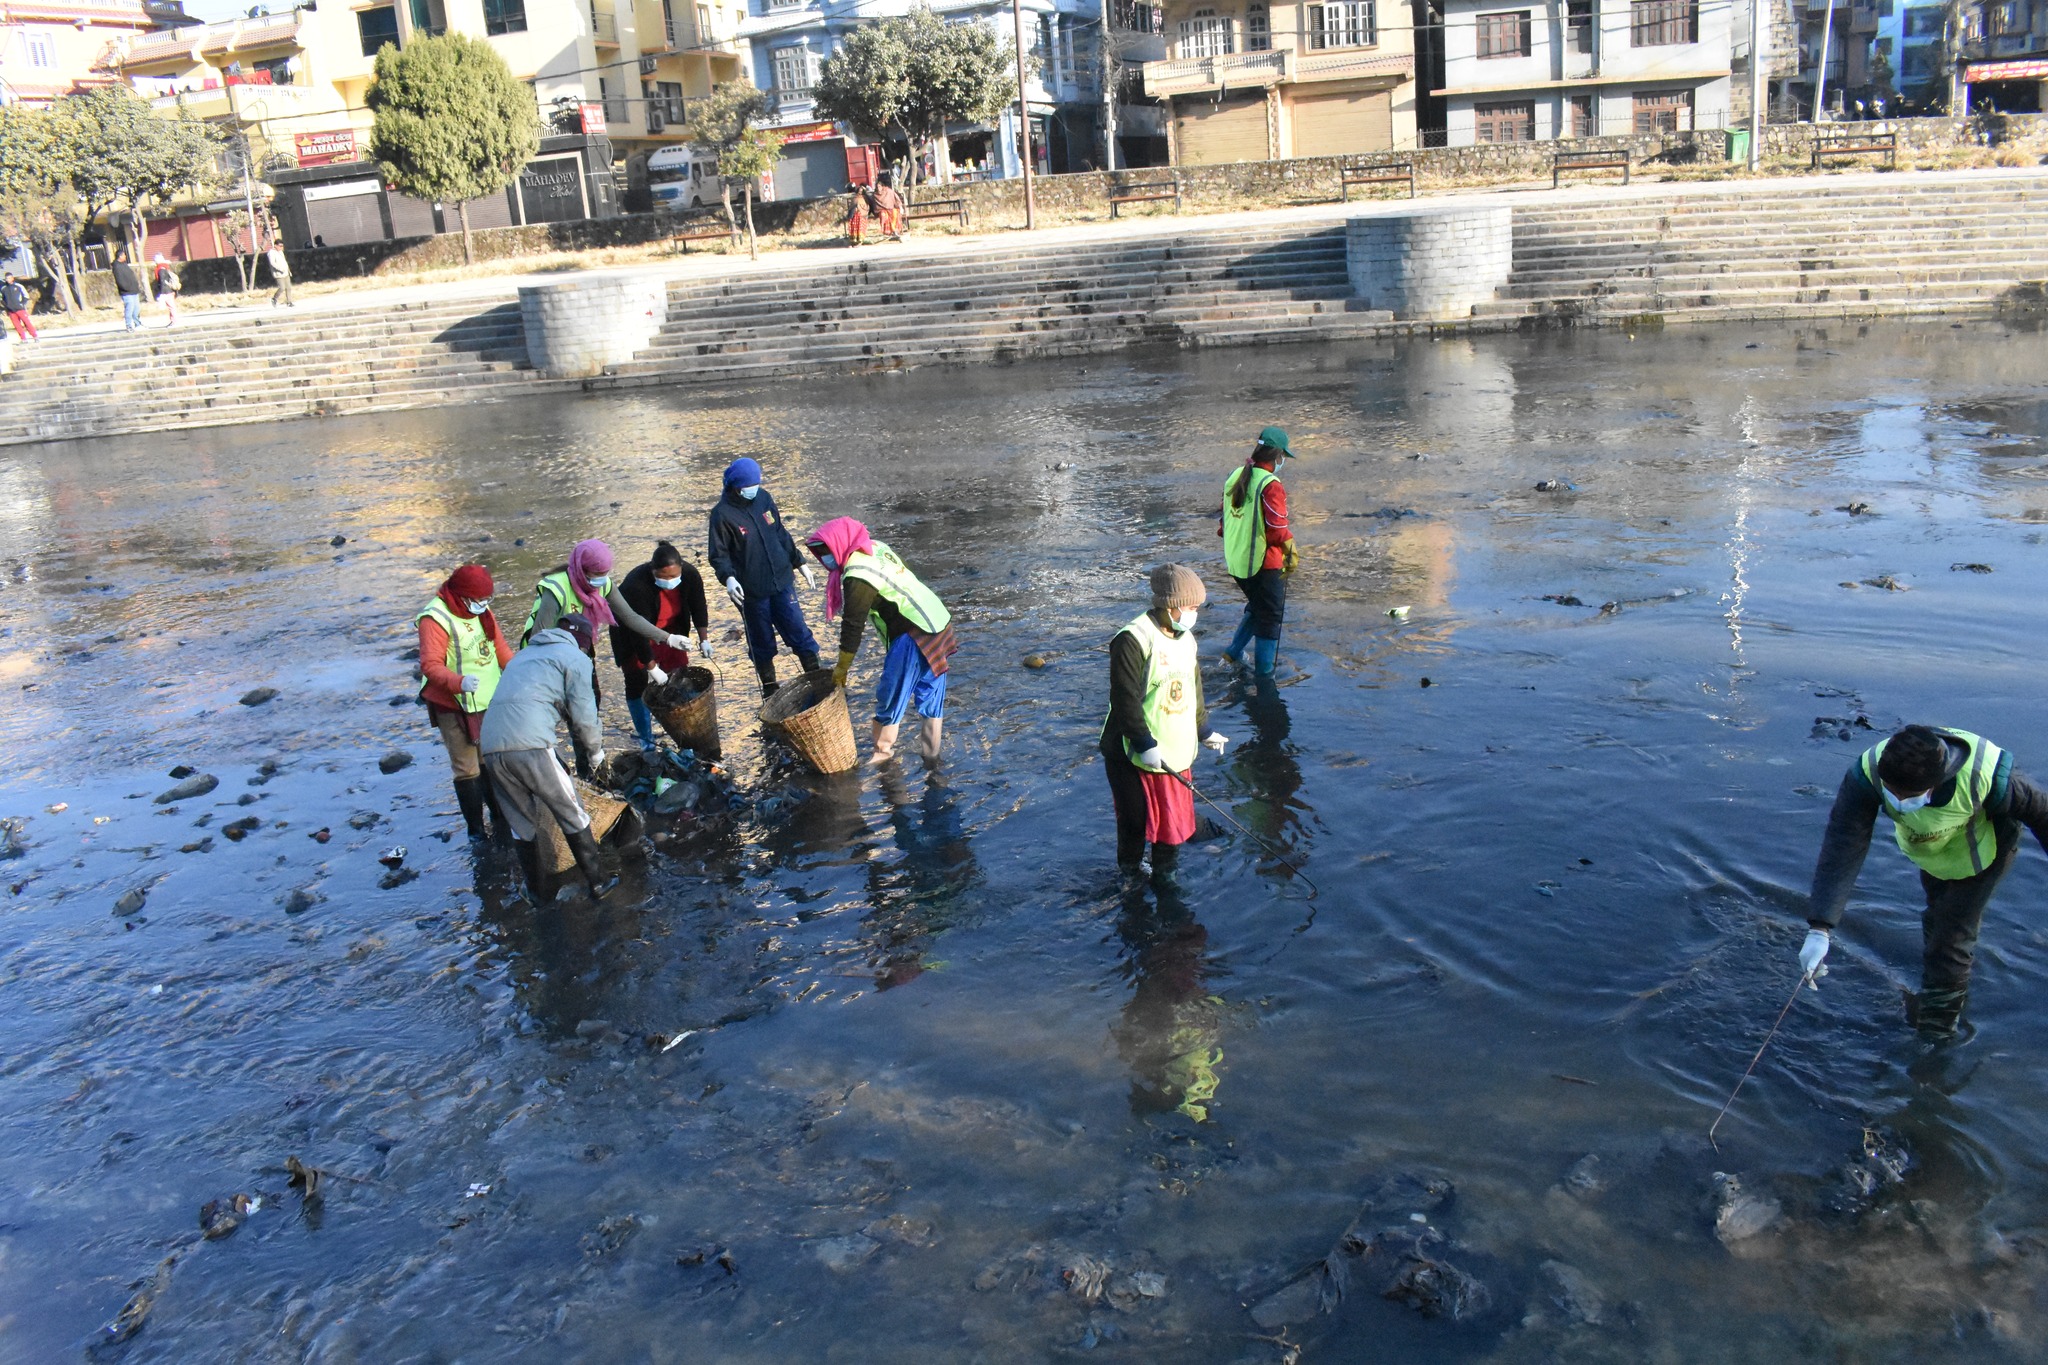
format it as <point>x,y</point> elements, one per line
<point>867,581</point>
<point>1956,807</point>
<point>1157,723</point>
<point>463,651</point>
<point>1258,549</point>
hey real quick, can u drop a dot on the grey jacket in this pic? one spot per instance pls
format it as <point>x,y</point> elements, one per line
<point>547,682</point>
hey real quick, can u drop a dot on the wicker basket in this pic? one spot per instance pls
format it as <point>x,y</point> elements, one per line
<point>605,810</point>
<point>811,714</point>
<point>692,722</point>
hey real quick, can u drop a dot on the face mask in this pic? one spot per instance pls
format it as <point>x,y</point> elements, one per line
<point>1184,621</point>
<point>1909,803</point>
<point>601,584</point>
<point>668,584</point>
<point>750,491</point>
<point>476,608</point>
<point>828,561</point>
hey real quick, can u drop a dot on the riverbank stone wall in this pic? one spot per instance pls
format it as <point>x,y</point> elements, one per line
<point>1431,265</point>
<point>581,328</point>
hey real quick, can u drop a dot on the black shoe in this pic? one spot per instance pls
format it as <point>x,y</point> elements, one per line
<point>538,887</point>
<point>469,794</point>
<point>766,673</point>
<point>583,844</point>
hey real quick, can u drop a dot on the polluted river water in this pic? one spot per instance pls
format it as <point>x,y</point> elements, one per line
<point>888,1066</point>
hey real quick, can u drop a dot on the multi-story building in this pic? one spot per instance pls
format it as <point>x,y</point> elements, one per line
<point>1583,68</point>
<point>1911,35</point>
<point>2003,51</point>
<point>1847,35</point>
<point>790,40</point>
<point>48,50</point>
<point>1258,80</point>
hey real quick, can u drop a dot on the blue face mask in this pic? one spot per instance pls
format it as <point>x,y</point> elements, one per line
<point>828,561</point>
<point>1908,803</point>
<point>476,608</point>
<point>668,584</point>
<point>751,491</point>
<point>600,585</point>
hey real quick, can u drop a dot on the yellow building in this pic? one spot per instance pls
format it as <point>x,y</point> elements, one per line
<point>54,49</point>
<point>1259,80</point>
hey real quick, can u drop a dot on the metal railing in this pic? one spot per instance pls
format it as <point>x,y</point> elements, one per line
<point>604,26</point>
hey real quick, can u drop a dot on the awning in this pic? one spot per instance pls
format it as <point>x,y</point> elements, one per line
<point>2032,69</point>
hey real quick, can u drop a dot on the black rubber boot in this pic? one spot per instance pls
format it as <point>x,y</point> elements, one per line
<point>584,845</point>
<point>809,662</point>
<point>469,794</point>
<point>537,888</point>
<point>765,671</point>
<point>499,825</point>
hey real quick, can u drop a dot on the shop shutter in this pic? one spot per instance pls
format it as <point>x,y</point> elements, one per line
<point>1209,134</point>
<point>1344,123</point>
<point>811,170</point>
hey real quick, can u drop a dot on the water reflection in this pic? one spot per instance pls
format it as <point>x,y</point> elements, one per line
<point>1170,1032</point>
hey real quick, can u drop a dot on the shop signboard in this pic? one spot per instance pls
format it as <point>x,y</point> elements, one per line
<point>325,149</point>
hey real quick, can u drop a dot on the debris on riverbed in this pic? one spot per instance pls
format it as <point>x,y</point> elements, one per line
<point>221,1217</point>
<point>1563,599</point>
<point>136,1311</point>
<point>1738,1215</point>
<point>12,845</point>
<point>242,828</point>
<point>1887,582</point>
<point>1840,727</point>
<point>256,696</point>
<point>1036,661</point>
<point>197,784</point>
<point>393,761</point>
<point>841,1254</point>
<point>131,902</point>
<point>364,819</point>
<point>321,835</point>
<point>1969,568</point>
<point>393,856</point>
<point>1885,1161</point>
<point>1555,486</point>
<point>302,898</point>
<point>1855,509</point>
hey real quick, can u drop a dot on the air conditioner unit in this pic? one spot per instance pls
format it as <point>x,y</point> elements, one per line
<point>647,65</point>
<point>655,121</point>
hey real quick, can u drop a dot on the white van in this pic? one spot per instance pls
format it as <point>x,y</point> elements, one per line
<point>682,178</point>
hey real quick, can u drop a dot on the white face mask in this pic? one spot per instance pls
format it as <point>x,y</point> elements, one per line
<point>668,584</point>
<point>601,584</point>
<point>1184,621</point>
<point>1908,803</point>
<point>750,491</point>
<point>475,608</point>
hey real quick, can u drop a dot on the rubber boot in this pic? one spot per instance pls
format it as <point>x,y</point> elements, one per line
<point>583,844</point>
<point>808,662</point>
<point>1165,857</point>
<point>1234,655</point>
<point>499,824</point>
<point>765,671</point>
<point>643,723</point>
<point>1265,652</point>
<point>884,747</point>
<point>469,794</point>
<point>537,888</point>
<point>929,729</point>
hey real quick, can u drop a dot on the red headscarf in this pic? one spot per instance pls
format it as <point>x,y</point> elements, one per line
<point>470,583</point>
<point>591,559</point>
<point>841,537</point>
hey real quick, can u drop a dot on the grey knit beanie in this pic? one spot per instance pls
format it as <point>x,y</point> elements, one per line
<point>1176,587</point>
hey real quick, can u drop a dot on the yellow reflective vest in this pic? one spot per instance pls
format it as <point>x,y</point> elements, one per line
<point>469,651</point>
<point>1953,840</point>
<point>1170,691</point>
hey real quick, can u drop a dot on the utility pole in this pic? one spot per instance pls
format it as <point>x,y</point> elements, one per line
<point>1820,74</point>
<point>1757,98</point>
<point>1024,121</point>
<point>1109,66</point>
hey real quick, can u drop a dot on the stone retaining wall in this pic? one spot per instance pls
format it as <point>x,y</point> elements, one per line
<point>581,328</point>
<point>1433,264</point>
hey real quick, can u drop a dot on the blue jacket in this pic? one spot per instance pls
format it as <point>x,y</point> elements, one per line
<point>748,541</point>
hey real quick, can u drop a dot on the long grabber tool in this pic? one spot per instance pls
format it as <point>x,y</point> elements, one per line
<point>1803,981</point>
<point>1260,840</point>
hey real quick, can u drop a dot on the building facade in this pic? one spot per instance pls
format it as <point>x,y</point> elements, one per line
<point>1557,69</point>
<point>1260,80</point>
<point>2002,53</point>
<point>66,47</point>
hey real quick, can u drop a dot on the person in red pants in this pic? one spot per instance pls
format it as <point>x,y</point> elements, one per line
<point>15,301</point>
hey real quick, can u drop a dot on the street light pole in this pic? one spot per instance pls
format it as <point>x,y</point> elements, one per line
<point>1024,121</point>
<point>1757,98</point>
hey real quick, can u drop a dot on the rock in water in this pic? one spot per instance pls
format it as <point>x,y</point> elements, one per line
<point>1739,1216</point>
<point>1576,1298</point>
<point>257,696</point>
<point>338,541</point>
<point>131,903</point>
<point>1034,661</point>
<point>393,761</point>
<point>199,784</point>
<point>842,1254</point>
<point>1584,1179</point>
<point>301,900</point>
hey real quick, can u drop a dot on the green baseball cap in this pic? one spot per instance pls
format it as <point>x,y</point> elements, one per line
<point>1275,439</point>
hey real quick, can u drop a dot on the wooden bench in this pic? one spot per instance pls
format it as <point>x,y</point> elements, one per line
<point>1857,144</point>
<point>1377,173</point>
<point>680,239</point>
<point>956,209</point>
<point>1601,159</point>
<point>1144,191</point>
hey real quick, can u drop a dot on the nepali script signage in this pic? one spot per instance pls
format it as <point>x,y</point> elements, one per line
<point>325,149</point>
<point>808,132</point>
<point>2005,71</point>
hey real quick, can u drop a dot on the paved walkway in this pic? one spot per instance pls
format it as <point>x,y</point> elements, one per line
<point>505,288</point>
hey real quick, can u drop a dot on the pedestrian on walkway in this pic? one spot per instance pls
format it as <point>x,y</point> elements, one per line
<point>463,651</point>
<point>753,556</point>
<point>1956,807</point>
<point>1157,723</point>
<point>670,593</point>
<point>167,286</point>
<point>867,581</point>
<point>128,284</point>
<point>888,206</point>
<point>548,682</point>
<point>15,302</point>
<point>1258,549</point>
<point>280,275</point>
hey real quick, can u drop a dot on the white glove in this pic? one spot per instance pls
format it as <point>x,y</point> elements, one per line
<point>597,760</point>
<point>810,579</point>
<point>1813,952</point>
<point>1150,758</point>
<point>703,646</point>
<point>678,642</point>
<point>737,593</point>
<point>656,675</point>
<point>471,682</point>
<point>1216,742</point>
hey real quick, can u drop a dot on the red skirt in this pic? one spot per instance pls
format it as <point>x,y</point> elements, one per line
<point>1169,808</point>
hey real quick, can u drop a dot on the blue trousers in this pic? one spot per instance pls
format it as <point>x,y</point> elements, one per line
<point>131,311</point>
<point>906,676</point>
<point>767,616</point>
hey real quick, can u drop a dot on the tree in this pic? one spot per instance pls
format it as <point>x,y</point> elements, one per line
<point>114,142</point>
<point>181,156</point>
<point>720,125</point>
<point>746,161</point>
<point>912,75</point>
<point>36,202</point>
<point>451,122</point>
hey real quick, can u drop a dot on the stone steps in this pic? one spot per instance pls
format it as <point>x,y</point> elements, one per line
<point>1686,277</point>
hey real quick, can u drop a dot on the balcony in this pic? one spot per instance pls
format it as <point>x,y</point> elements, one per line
<point>1191,75</point>
<point>604,27</point>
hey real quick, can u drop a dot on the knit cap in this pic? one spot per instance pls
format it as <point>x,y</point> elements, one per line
<point>1176,587</point>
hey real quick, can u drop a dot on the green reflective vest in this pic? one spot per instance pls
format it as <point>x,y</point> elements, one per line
<point>1244,528</point>
<point>885,571</point>
<point>469,651</point>
<point>557,586</point>
<point>1953,840</point>
<point>1169,695</point>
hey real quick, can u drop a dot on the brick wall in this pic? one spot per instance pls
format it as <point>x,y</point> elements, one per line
<point>582,327</point>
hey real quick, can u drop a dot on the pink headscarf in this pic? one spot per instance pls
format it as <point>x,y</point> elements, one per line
<point>841,537</point>
<point>591,558</point>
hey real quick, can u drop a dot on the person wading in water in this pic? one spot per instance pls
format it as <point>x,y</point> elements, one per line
<point>753,555</point>
<point>670,593</point>
<point>1258,549</point>
<point>866,580</point>
<point>463,651</point>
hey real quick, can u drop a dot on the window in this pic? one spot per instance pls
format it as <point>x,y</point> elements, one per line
<point>1345,25</point>
<point>2008,16</point>
<point>1663,111</point>
<point>1136,16</point>
<point>668,24</point>
<point>504,16</point>
<point>705,32</point>
<point>1921,62</point>
<point>1923,23</point>
<point>1585,115</point>
<point>1504,35</point>
<point>279,69</point>
<point>41,51</point>
<point>1659,23</point>
<point>377,27</point>
<point>429,18</point>
<point>1513,121</point>
<point>1578,25</point>
<point>793,72</point>
<point>1205,34</point>
<point>1258,29</point>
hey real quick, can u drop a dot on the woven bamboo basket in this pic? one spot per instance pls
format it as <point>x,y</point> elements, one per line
<point>605,810</point>
<point>811,714</point>
<point>693,722</point>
